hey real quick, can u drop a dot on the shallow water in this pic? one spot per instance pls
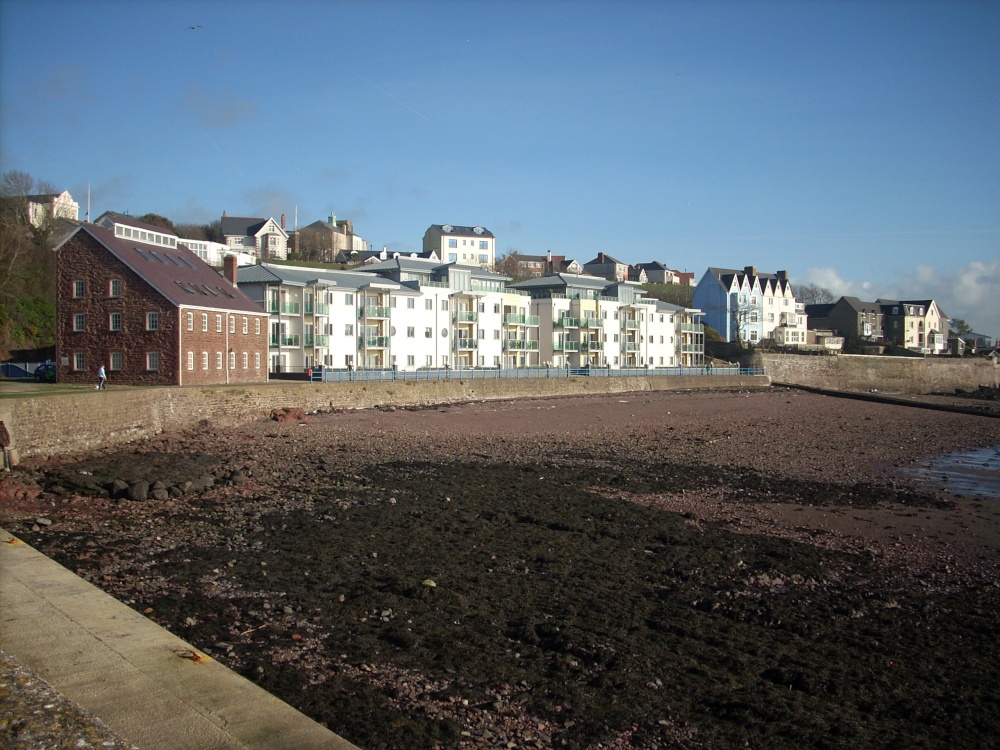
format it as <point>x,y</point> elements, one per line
<point>975,473</point>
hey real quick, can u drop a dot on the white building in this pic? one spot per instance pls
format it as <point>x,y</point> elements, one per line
<point>261,238</point>
<point>468,246</point>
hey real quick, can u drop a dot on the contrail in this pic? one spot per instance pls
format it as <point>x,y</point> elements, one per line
<point>398,101</point>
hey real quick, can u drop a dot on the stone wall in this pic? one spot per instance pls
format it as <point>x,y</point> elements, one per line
<point>86,420</point>
<point>855,372</point>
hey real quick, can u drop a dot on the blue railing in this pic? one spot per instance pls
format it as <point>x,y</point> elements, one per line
<point>517,373</point>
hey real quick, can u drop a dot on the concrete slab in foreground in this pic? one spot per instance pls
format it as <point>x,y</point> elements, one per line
<point>146,684</point>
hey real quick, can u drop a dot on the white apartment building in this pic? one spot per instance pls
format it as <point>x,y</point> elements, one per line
<point>468,246</point>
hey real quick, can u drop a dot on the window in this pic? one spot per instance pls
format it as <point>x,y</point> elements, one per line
<point>218,360</point>
<point>428,304</point>
<point>152,361</point>
<point>245,324</point>
<point>190,360</point>
<point>232,324</point>
<point>482,334</point>
<point>218,324</point>
<point>411,303</point>
<point>246,360</point>
<point>256,360</point>
<point>496,307</point>
<point>79,322</point>
<point>453,243</point>
<point>452,257</point>
<point>190,321</point>
<point>411,332</point>
<point>152,321</point>
<point>256,326</point>
<point>204,322</point>
<point>79,289</point>
<point>204,360</point>
<point>232,360</point>
<point>348,299</point>
<point>410,360</point>
<point>429,360</point>
<point>444,305</point>
<point>484,245</point>
<point>115,321</point>
<point>79,361</point>
<point>348,329</point>
<point>116,361</point>
<point>115,288</point>
<point>496,334</point>
<point>484,258</point>
<point>428,333</point>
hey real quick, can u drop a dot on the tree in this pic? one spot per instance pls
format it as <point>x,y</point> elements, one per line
<point>813,294</point>
<point>959,326</point>
<point>681,295</point>
<point>158,221</point>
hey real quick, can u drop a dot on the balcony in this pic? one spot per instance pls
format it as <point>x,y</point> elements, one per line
<point>692,327</point>
<point>321,309</point>
<point>630,346</point>
<point>592,345</point>
<point>591,323</point>
<point>520,345</point>
<point>566,346</point>
<point>520,320</point>
<point>466,316</point>
<point>567,322</point>
<point>285,308</point>
<point>322,340</point>
<point>373,342</point>
<point>292,340</point>
<point>370,311</point>
<point>630,325</point>
<point>464,343</point>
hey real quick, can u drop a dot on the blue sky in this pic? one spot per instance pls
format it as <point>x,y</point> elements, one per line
<point>853,144</point>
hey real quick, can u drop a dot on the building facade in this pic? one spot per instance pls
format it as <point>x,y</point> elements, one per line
<point>132,298</point>
<point>467,246</point>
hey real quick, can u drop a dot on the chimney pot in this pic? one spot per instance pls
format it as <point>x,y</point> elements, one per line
<point>282,222</point>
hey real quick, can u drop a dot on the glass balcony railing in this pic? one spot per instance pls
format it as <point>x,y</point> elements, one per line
<point>520,320</point>
<point>591,323</point>
<point>630,346</point>
<point>568,322</point>
<point>466,316</point>
<point>630,325</point>
<point>693,327</point>
<point>292,340</point>
<point>592,345</point>
<point>320,308</point>
<point>463,343</point>
<point>285,308</point>
<point>566,346</point>
<point>372,311</point>
<point>322,340</point>
<point>520,345</point>
<point>373,342</point>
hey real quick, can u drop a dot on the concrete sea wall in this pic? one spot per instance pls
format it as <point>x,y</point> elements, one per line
<point>89,419</point>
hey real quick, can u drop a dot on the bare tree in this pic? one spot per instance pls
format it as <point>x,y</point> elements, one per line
<point>813,294</point>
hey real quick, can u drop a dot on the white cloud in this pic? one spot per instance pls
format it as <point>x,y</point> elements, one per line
<point>970,292</point>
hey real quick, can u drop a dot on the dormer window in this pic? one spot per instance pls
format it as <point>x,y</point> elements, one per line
<point>448,228</point>
<point>478,230</point>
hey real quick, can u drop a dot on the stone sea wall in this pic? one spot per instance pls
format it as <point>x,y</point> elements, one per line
<point>89,419</point>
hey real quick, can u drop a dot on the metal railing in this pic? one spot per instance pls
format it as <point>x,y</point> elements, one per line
<point>327,375</point>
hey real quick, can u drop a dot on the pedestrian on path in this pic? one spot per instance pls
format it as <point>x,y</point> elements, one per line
<point>102,378</point>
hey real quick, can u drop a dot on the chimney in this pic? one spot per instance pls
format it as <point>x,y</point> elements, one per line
<point>750,270</point>
<point>229,264</point>
<point>282,222</point>
<point>783,275</point>
<point>223,214</point>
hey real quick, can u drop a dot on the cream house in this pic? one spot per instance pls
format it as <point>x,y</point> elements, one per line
<point>468,246</point>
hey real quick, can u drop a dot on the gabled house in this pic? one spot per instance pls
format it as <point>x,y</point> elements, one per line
<point>606,267</point>
<point>749,305</point>
<point>326,240</point>
<point>859,323</point>
<point>130,296</point>
<point>976,343</point>
<point>265,239</point>
<point>469,246</point>
<point>658,273</point>
<point>41,209</point>
<point>917,325</point>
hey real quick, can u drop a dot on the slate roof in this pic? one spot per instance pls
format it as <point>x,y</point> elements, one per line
<point>427,265</point>
<point>345,280</point>
<point>128,221</point>
<point>555,280</point>
<point>178,274</point>
<point>242,226</point>
<point>457,231</point>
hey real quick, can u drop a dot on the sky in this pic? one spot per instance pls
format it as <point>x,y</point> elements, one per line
<point>855,145</point>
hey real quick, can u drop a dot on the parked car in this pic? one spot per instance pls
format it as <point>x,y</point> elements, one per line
<point>45,373</point>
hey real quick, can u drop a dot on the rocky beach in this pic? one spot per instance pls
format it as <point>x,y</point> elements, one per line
<point>764,568</point>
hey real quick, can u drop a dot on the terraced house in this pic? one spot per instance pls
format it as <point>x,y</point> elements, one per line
<point>132,297</point>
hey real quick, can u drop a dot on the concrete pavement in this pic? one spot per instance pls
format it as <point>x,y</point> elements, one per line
<point>147,685</point>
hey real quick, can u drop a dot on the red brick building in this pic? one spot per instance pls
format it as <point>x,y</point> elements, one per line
<point>130,296</point>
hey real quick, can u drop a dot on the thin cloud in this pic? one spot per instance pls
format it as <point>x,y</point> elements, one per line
<point>218,108</point>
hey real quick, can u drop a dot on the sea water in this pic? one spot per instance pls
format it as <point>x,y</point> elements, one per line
<point>975,473</point>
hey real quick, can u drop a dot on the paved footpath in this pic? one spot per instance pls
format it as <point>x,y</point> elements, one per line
<point>146,684</point>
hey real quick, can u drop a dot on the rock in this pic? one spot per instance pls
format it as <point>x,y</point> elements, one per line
<point>118,488</point>
<point>160,494</point>
<point>42,521</point>
<point>139,490</point>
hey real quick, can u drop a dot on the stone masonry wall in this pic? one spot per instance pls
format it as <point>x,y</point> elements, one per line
<point>76,422</point>
<point>855,372</point>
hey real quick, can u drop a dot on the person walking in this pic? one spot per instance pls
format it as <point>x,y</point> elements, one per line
<point>102,378</point>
